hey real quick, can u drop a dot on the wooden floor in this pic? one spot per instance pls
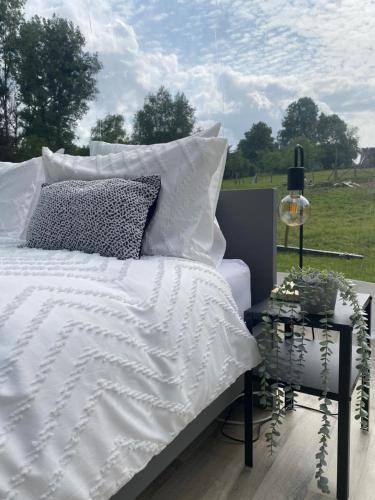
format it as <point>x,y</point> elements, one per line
<point>212,467</point>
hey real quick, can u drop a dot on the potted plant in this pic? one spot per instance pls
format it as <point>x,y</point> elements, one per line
<point>317,291</point>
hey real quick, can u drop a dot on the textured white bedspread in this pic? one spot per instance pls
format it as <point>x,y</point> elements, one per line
<point>103,362</point>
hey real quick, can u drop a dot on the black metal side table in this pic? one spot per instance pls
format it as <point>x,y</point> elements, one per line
<point>343,372</point>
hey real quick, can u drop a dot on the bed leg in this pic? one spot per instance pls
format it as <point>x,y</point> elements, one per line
<point>248,408</point>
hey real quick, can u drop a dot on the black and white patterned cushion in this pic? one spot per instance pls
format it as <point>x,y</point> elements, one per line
<point>106,216</point>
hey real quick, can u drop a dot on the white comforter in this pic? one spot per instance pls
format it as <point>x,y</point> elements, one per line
<point>103,362</point>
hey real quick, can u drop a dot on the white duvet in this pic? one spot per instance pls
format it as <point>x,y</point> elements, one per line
<point>103,362</point>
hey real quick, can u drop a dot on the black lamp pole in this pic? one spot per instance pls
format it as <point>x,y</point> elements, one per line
<point>299,161</point>
<point>296,182</point>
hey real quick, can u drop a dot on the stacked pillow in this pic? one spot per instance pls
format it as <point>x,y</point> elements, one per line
<point>183,225</point>
<point>214,248</point>
<point>107,216</point>
<point>106,148</point>
<point>19,192</point>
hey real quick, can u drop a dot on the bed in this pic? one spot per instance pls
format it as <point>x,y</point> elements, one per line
<point>65,430</point>
<point>238,276</point>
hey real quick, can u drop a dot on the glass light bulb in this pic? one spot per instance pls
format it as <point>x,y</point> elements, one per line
<point>294,209</point>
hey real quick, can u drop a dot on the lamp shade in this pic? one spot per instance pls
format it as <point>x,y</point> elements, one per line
<point>294,209</point>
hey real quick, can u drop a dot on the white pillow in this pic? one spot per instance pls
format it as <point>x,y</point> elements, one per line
<point>19,193</point>
<point>209,132</point>
<point>183,223</point>
<point>218,244</point>
<point>106,148</point>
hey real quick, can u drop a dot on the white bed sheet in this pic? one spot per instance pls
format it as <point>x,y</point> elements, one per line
<point>237,273</point>
<point>103,362</point>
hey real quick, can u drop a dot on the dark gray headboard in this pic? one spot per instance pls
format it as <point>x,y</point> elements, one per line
<point>248,220</point>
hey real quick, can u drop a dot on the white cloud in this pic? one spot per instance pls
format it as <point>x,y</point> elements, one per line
<point>237,61</point>
<point>160,17</point>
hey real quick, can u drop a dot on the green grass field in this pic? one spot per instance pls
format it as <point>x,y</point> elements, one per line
<point>342,219</point>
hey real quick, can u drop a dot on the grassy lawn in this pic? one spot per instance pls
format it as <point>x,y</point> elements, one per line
<point>342,219</point>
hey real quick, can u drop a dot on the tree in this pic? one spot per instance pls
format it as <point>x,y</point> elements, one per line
<point>11,15</point>
<point>281,158</point>
<point>56,79</point>
<point>257,140</point>
<point>163,118</point>
<point>237,166</point>
<point>300,120</point>
<point>110,129</point>
<point>338,142</point>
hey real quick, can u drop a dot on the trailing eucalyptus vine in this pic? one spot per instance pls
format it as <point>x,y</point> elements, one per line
<point>317,294</point>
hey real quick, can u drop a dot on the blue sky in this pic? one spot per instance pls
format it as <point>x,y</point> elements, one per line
<point>238,61</point>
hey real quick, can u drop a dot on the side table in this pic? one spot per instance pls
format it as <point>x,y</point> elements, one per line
<point>343,372</point>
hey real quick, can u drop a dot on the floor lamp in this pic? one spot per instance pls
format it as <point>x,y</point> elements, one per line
<point>294,209</point>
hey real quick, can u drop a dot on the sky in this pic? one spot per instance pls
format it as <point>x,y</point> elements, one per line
<point>237,61</point>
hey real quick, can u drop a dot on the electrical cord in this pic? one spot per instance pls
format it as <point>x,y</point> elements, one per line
<point>240,422</point>
<point>226,421</point>
<point>241,441</point>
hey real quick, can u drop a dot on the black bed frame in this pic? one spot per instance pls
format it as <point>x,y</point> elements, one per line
<point>247,219</point>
